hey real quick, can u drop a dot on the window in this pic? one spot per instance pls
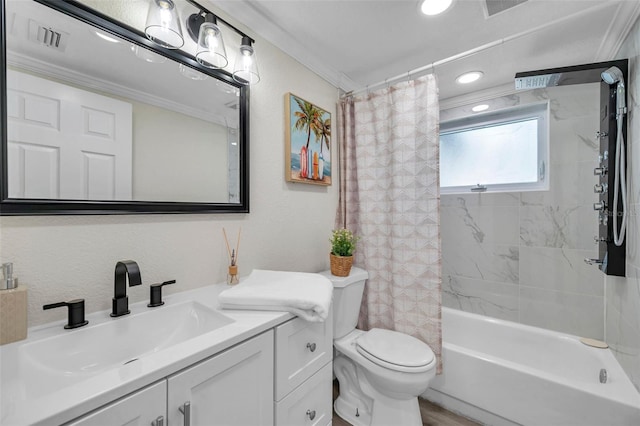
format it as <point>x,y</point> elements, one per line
<point>501,151</point>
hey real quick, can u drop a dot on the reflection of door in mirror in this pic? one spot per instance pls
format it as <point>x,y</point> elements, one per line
<point>66,143</point>
<point>186,144</point>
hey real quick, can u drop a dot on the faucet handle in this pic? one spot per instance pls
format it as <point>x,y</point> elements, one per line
<point>155,293</point>
<point>75,313</point>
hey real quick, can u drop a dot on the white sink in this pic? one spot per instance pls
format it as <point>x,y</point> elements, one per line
<point>92,349</point>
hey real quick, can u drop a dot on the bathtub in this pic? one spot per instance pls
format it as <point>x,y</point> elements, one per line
<point>503,373</point>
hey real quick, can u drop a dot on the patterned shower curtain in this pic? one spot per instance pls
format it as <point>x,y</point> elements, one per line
<point>389,197</point>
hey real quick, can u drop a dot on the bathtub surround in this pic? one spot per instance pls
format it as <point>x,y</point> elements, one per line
<point>519,255</point>
<point>622,318</point>
<point>64,257</point>
<point>389,176</point>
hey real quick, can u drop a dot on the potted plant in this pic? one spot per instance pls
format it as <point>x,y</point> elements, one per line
<point>343,244</point>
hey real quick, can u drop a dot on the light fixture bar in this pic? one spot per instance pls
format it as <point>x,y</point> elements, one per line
<point>219,19</point>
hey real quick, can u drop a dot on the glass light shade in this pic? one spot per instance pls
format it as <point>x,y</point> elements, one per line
<point>147,55</point>
<point>245,69</point>
<point>191,74</point>
<point>163,24</point>
<point>211,52</point>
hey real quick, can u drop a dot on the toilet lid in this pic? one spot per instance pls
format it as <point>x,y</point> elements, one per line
<point>394,350</point>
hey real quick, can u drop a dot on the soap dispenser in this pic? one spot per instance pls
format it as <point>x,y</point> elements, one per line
<point>13,307</point>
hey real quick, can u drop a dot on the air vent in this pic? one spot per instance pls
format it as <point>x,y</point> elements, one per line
<point>496,6</point>
<point>47,36</point>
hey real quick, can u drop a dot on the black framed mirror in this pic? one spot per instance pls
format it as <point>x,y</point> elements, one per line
<point>97,119</point>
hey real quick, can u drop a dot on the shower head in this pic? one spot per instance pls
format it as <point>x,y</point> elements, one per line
<point>612,75</point>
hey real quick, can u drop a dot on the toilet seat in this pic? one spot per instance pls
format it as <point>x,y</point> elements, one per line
<point>395,351</point>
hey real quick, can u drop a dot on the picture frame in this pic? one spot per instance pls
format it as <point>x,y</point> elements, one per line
<point>307,142</point>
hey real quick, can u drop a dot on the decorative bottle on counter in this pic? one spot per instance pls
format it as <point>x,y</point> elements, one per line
<point>13,307</point>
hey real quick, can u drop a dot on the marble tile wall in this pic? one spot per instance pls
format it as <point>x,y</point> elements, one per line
<point>622,323</point>
<point>519,255</point>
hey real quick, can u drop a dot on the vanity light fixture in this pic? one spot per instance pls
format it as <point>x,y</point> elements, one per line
<point>163,28</point>
<point>480,108</point>
<point>469,77</point>
<point>245,69</point>
<point>203,29</point>
<point>191,74</point>
<point>163,24</point>
<point>434,7</point>
<point>147,55</point>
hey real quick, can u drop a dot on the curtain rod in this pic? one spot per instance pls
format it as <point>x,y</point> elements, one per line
<point>430,67</point>
<point>424,69</point>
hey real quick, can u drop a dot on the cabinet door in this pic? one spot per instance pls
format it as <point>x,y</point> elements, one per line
<point>310,403</point>
<point>302,348</point>
<point>234,387</point>
<point>144,407</point>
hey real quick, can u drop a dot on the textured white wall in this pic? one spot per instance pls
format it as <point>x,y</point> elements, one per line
<point>67,257</point>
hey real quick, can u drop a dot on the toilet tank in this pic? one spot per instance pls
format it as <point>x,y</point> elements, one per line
<point>347,296</point>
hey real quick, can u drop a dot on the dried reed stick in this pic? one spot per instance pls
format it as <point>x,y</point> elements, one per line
<point>226,241</point>
<point>238,244</point>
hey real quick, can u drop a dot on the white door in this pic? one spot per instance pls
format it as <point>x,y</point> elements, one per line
<point>143,408</point>
<point>66,143</point>
<point>231,388</point>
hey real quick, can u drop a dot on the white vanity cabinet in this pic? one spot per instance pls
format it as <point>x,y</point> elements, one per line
<point>303,370</point>
<point>282,376</point>
<point>234,387</point>
<point>142,408</point>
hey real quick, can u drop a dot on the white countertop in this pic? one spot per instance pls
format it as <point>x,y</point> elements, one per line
<point>28,398</point>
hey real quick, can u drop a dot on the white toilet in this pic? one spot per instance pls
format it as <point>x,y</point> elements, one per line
<point>381,372</point>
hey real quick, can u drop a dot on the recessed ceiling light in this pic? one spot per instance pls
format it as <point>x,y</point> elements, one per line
<point>434,7</point>
<point>107,38</point>
<point>479,108</point>
<point>469,77</point>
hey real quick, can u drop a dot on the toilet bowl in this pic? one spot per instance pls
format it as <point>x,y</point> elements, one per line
<point>381,372</point>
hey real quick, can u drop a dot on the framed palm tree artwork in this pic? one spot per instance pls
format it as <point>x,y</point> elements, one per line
<point>308,142</point>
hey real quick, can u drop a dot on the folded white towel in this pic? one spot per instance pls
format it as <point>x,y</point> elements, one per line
<point>304,294</point>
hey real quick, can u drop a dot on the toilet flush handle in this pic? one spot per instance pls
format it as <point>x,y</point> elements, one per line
<point>311,414</point>
<point>311,347</point>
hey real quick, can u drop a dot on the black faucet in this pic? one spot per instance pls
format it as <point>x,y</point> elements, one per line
<point>124,268</point>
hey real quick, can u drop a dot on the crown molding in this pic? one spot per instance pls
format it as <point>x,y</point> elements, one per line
<point>619,29</point>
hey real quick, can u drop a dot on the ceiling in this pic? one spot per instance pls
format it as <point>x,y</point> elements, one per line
<point>354,44</point>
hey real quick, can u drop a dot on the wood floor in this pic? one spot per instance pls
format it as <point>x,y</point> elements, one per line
<point>432,415</point>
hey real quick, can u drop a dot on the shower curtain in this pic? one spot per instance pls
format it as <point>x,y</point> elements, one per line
<point>389,197</point>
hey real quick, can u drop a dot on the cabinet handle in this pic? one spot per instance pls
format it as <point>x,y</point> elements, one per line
<point>311,347</point>
<point>186,411</point>
<point>158,422</point>
<point>311,414</point>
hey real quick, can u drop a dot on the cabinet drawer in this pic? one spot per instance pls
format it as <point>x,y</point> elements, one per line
<point>309,404</point>
<point>302,347</point>
<point>141,408</point>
